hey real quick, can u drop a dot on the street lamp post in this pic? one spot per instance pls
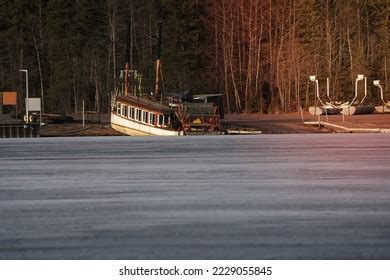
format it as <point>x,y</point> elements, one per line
<point>27,105</point>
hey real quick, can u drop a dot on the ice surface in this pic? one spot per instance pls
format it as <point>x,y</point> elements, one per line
<point>210,197</point>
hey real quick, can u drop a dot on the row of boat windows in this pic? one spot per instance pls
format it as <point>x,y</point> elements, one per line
<point>142,115</point>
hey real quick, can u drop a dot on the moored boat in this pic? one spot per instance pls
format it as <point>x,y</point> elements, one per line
<point>137,113</point>
<point>138,116</point>
<point>143,116</point>
<point>323,110</point>
<point>385,108</point>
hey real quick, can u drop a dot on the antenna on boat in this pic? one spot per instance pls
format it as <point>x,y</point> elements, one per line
<point>127,59</point>
<point>158,52</point>
<point>128,39</point>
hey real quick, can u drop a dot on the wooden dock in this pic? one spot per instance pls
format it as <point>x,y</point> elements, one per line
<point>347,127</point>
<point>19,130</point>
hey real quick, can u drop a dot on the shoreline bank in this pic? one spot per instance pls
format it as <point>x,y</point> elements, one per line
<point>268,124</point>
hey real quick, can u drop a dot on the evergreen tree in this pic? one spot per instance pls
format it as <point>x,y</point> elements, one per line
<point>183,36</point>
<point>75,49</point>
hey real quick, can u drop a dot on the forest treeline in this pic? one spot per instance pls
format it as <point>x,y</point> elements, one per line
<point>257,53</point>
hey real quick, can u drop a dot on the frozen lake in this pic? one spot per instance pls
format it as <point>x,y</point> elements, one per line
<point>320,196</point>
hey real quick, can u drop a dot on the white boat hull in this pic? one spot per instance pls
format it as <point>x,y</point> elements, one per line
<point>322,110</point>
<point>133,128</point>
<point>358,110</point>
<point>382,109</point>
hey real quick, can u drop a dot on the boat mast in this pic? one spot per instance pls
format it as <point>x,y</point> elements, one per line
<point>131,35</point>
<point>129,51</point>
<point>126,79</point>
<point>158,52</point>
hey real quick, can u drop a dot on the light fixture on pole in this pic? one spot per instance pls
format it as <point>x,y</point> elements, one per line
<point>27,105</point>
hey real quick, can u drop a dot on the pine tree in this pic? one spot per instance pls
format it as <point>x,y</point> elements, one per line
<point>182,39</point>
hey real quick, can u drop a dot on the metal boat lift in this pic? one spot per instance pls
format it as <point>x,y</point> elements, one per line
<point>358,108</point>
<point>346,108</point>
<point>385,107</point>
<point>325,108</point>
